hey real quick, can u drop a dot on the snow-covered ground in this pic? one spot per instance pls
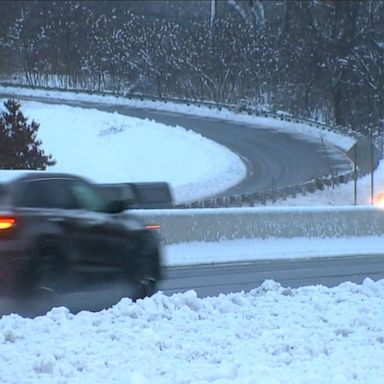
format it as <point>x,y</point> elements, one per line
<point>270,335</point>
<point>109,147</point>
<point>245,250</point>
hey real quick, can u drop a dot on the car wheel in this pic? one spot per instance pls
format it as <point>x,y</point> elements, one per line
<point>146,288</point>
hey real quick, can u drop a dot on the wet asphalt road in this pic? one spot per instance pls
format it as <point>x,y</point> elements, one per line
<point>211,280</point>
<point>274,159</point>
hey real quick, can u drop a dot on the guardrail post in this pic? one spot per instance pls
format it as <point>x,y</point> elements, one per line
<point>327,181</point>
<point>319,184</point>
<point>263,198</point>
<point>335,181</point>
<point>244,200</point>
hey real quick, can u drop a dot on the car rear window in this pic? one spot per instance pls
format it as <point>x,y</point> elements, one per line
<point>153,193</point>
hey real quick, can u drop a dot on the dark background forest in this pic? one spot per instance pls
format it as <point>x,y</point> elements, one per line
<point>317,59</point>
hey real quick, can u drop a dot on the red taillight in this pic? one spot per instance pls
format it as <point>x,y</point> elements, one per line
<point>7,222</point>
<point>152,226</point>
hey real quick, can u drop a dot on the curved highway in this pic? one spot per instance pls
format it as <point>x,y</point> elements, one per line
<point>274,159</point>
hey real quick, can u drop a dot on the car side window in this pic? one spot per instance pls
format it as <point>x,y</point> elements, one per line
<point>85,196</point>
<point>44,193</point>
<point>3,194</point>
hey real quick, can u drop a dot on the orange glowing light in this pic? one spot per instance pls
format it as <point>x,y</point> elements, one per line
<point>7,222</point>
<point>379,200</point>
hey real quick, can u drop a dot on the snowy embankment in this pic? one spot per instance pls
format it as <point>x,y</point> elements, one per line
<point>111,148</point>
<point>272,335</point>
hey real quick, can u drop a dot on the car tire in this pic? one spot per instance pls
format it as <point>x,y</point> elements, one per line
<point>146,287</point>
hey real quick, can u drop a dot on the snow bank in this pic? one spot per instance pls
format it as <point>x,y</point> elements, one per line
<point>270,335</point>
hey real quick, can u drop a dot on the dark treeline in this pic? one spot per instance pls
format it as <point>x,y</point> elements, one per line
<point>315,58</point>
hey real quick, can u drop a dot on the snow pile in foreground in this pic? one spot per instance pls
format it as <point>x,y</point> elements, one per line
<point>270,335</point>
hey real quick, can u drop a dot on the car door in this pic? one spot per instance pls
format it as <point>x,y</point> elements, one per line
<point>41,204</point>
<point>96,231</point>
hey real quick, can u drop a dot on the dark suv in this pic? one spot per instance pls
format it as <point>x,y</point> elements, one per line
<point>58,231</point>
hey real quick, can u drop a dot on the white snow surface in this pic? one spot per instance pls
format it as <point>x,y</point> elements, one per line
<point>270,335</point>
<point>112,148</point>
<point>244,250</point>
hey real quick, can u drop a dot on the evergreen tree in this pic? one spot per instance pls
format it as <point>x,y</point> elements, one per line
<point>19,147</point>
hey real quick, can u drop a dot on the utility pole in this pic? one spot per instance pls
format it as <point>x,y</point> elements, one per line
<point>372,148</point>
<point>213,13</point>
<point>355,175</point>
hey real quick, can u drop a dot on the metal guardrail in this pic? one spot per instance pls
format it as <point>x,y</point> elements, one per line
<point>252,199</point>
<point>272,195</point>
